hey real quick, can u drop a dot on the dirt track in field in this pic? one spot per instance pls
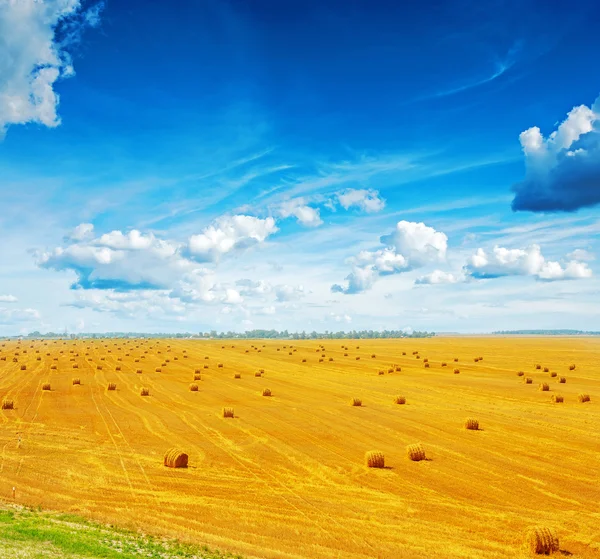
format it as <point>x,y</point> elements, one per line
<point>286,477</point>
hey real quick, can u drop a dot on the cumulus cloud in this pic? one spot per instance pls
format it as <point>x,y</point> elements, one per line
<point>230,233</point>
<point>502,262</point>
<point>410,245</point>
<point>81,232</point>
<point>341,317</point>
<point>8,299</point>
<point>306,215</point>
<point>581,254</point>
<point>366,200</point>
<point>33,57</point>
<point>119,261</point>
<point>563,170</point>
<point>9,317</point>
<point>437,277</point>
<point>285,293</point>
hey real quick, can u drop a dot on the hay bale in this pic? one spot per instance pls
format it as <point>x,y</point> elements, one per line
<point>583,398</point>
<point>227,412</point>
<point>476,359</point>
<point>562,380</point>
<point>456,359</point>
<point>557,398</point>
<point>206,357</point>
<point>220,365</point>
<point>237,375</point>
<point>390,370</point>
<point>46,386</point>
<point>139,371</point>
<point>8,404</point>
<point>415,452</point>
<point>321,359</point>
<point>373,356</point>
<point>358,358</point>
<point>418,357</point>
<point>398,369</point>
<point>381,372</point>
<point>175,458</point>
<point>53,367</point>
<point>194,386</point>
<point>540,540</point>
<point>99,367</point>
<point>404,353</point>
<point>76,381</point>
<point>444,364</point>
<point>304,360</point>
<point>546,370</point>
<point>197,376</point>
<point>38,358</point>
<point>528,380</point>
<point>331,359</point>
<point>345,355</point>
<point>157,370</point>
<point>399,400</point>
<point>145,391</point>
<point>427,365</point>
<point>552,374</point>
<point>118,368</point>
<point>571,367</point>
<point>472,424</point>
<point>544,387</point>
<point>112,386</point>
<point>520,373</point>
<point>538,366</point>
<point>375,459</point>
<point>356,402</point>
<point>258,374</point>
<point>266,392</point>
<point>23,367</point>
<point>426,360</point>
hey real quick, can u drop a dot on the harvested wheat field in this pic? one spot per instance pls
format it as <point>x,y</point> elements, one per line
<point>286,476</point>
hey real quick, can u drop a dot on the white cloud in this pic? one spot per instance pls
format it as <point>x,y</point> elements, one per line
<point>503,262</point>
<point>289,293</point>
<point>411,245</point>
<point>8,299</point>
<point>563,170</point>
<point>82,231</point>
<point>10,317</point>
<point>31,61</point>
<point>367,200</point>
<point>306,215</point>
<point>417,242</point>
<point>437,277</point>
<point>230,233</point>
<point>581,254</point>
<point>232,297</point>
<point>341,317</point>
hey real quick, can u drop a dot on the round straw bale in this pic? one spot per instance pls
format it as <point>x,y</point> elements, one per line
<point>175,458</point>
<point>197,376</point>
<point>356,402</point>
<point>544,387</point>
<point>540,540</point>
<point>139,371</point>
<point>237,375</point>
<point>112,386</point>
<point>23,367</point>
<point>227,412</point>
<point>546,370</point>
<point>562,380</point>
<point>76,381</point>
<point>8,404</point>
<point>557,398</point>
<point>193,387</point>
<point>375,459</point>
<point>571,367</point>
<point>472,424</point>
<point>157,370</point>
<point>528,380</point>
<point>53,367</point>
<point>220,365</point>
<point>46,386</point>
<point>399,400</point>
<point>520,373</point>
<point>553,374</point>
<point>415,452</point>
<point>266,392</point>
<point>145,391</point>
<point>583,398</point>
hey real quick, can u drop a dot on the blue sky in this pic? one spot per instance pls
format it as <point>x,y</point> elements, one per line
<point>298,165</point>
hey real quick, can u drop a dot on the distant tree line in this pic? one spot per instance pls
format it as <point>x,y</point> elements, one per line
<point>563,332</point>
<point>248,334</point>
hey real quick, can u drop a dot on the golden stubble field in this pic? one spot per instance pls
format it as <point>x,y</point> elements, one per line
<point>286,477</point>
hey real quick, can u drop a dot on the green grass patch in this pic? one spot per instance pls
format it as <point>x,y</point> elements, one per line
<point>34,534</point>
